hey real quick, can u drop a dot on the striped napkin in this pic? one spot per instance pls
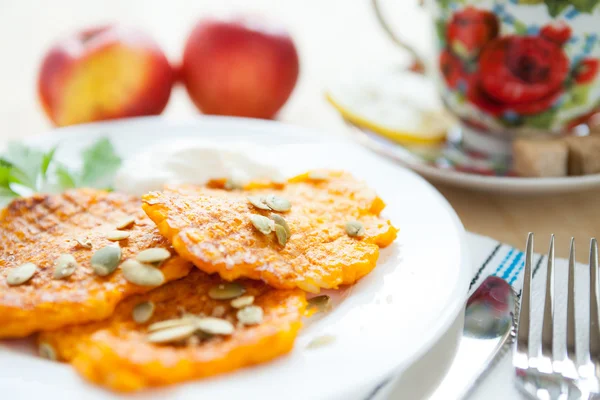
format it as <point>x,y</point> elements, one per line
<point>489,257</point>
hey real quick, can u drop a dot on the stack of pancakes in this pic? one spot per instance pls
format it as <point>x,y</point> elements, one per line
<point>108,284</point>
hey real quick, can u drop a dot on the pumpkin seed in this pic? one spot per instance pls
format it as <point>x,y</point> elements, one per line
<point>171,323</point>
<point>355,228</point>
<point>279,220</point>
<point>277,203</point>
<point>125,222</point>
<point>106,260</point>
<point>215,326</point>
<point>317,176</point>
<point>242,302</point>
<point>45,350</point>
<point>142,274</point>
<point>282,236</point>
<point>117,235</point>
<point>258,202</point>
<point>263,224</point>
<point>321,341</point>
<point>84,242</point>
<point>173,334</point>
<point>153,255</point>
<point>250,315</point>
<point>65,266</point>
<point>321,302</point>
<point>226,291</point>
<point>142,312</point>
<point>21,274</point>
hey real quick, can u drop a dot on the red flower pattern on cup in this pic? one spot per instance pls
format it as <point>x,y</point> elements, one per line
<point>470,30</point>
<point>523,74</point>
<point>558,32</point>
<point>586,71</point>
<point>452,68</point>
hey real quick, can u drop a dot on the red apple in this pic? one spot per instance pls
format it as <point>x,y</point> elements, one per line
<point>104,73</point>
<point>243,68</point>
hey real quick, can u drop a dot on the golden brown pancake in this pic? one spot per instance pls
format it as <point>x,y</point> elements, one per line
<point>116,352</point>
<point>212,228</point>
<point>41,228</point>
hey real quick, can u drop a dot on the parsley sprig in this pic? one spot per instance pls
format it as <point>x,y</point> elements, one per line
<point>26,170</point>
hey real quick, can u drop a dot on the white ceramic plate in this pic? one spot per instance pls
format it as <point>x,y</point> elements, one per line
<point>503,184</point>
<point>381,324</point>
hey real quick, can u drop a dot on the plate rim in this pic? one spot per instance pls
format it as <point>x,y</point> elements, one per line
<point>459,293</point>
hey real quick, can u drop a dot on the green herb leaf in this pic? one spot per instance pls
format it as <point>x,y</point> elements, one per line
<point>46,160</point>
<point>100,164</point>
<point>26,164</point>
<point>65,178</point>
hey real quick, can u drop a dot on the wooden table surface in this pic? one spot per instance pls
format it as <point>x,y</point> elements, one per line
<point>331,35</point>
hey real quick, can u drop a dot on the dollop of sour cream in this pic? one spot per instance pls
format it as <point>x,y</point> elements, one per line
<point>193,161</point>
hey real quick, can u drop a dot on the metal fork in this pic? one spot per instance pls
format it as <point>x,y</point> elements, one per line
<point>541,373</point>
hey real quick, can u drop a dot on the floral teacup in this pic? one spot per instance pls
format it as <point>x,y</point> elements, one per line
<point>517,67</point>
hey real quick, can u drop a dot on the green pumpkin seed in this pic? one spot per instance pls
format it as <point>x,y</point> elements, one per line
<point>321,341</point>
<point>154,255</point>
<point>250,315</point>
<point>279,220</point>
<point>321,302</point>
<point>45,350</point>
<point>317,176</point>
<point>174,334</point>
<point>21,274</point>
<point>242,302</point>
<point>65,266</point>
<point>263,224</point>
<point>106,260</point>
<point>125,222</point>
<point>281,234</point>
<point>142,274</point>
<point>171,323</point>
<point>226,291</point>
<point>84,242</point>
<point>117,235</point>
<point>258,202</point>
<point>355,228</point>
<point>215,326</point>
<point>277,203</point>
<point>142,312</point>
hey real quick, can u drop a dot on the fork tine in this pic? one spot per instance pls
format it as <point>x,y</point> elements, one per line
<point>548,323</point>
<point>571,306</point>
<point>594,322</point>
<point>523,325</point>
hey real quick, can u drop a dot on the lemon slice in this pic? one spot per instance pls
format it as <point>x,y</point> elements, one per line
<point>401,105</point>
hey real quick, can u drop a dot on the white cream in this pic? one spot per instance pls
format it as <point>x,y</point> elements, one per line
<point>193,161</point>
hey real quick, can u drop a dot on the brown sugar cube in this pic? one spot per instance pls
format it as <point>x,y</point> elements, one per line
<point>539,158</point>
<point>584,155</point>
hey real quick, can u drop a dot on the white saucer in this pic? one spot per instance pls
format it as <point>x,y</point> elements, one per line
<point>480,178</point>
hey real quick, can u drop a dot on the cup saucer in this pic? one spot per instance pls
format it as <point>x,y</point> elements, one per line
<point>451,162</point>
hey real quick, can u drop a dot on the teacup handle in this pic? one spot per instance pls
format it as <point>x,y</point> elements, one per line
<point>418,63</point>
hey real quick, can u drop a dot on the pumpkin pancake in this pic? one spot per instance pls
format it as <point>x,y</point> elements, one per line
<point>40,229</point>
<point>212,228</point>
<point>119,353</point>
